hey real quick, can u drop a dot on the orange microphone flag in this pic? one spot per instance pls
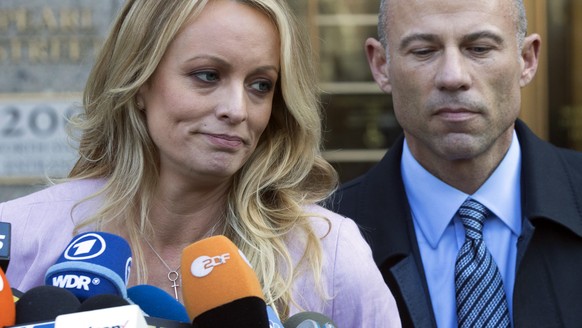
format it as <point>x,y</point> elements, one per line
<point>215,272</point>
<point>7,307</point>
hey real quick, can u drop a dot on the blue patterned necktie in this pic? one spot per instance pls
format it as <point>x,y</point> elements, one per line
<point>481,300</point>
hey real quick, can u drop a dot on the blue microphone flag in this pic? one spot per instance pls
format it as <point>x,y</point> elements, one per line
<point>93,263</point>
<point>4,245</point>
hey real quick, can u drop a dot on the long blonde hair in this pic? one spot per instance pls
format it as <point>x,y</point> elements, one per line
<point>269,192</point>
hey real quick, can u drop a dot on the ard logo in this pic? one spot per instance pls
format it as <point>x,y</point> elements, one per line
<point>85,247</point>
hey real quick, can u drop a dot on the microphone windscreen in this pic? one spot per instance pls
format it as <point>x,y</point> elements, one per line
<point>216,273</point>
<point>102,301</point>
<point>5,238</point>
<point>45,303</point>
<point>246,312</point>
<point>93,263</point>
<point>157,303</point>
<point>308,320</point>
<point>7,307</point>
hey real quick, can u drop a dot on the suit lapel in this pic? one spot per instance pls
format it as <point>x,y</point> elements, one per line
<point>407,275</point>
<point>551,196</point>
<point>549,192</point>
<point>385,207</point>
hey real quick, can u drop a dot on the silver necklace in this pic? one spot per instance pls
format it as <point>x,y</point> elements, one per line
<point>173,275</point>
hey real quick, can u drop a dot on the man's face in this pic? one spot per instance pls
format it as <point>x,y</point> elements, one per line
<point>455,74</point>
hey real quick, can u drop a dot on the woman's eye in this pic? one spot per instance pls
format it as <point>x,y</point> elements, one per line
<point>206,76</point>
<point>262,86</point>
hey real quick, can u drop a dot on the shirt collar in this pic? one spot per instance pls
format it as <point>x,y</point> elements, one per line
<point>434,203</point>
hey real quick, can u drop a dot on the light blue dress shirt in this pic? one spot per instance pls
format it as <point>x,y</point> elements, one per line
<point>440,233</point>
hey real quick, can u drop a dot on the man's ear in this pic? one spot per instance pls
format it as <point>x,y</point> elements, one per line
<point>376,55</point>
<point>529,58</point>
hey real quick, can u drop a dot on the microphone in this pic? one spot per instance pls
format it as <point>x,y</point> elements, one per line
<point>50,307</point>
<point>4,245</point>
<point>309,320</point>
<point>7,307</point>
<point>155,302</point>
<point>44,303</point>
<point>93,263</point>
<point>107,301</point>
<point>274,321</point>
<point>220,287</point>
<point>102,301</point>
<point>127,316</point>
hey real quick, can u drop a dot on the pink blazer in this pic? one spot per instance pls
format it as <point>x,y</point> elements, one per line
<point>43,222</point>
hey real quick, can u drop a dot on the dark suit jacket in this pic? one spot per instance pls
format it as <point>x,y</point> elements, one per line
<point>548,284</point>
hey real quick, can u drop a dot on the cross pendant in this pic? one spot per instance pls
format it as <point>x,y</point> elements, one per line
<point>173,277</point>
<point>175,286</point>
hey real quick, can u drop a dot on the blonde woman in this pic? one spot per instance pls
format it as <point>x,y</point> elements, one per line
<point>202,118</point>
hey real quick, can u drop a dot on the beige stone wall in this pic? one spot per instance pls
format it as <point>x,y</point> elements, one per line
<point>46,51</point>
